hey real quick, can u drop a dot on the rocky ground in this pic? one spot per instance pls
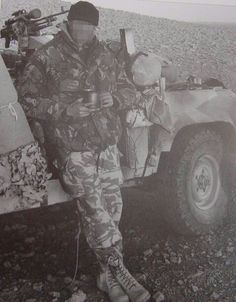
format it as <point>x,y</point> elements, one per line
<point>204,50</point>
<point>38,248</point>
<point>38,256</point>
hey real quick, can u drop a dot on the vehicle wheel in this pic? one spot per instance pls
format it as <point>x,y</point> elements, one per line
<point>231,185</point>
<point>196,200</point>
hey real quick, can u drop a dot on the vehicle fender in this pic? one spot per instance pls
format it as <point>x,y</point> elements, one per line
<point>193,108</point>
<point>201,107</point>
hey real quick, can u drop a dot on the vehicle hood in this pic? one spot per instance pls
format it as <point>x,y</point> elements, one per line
<point>201,106</point>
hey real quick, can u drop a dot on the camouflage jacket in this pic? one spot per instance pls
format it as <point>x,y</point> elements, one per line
<point>94,67</point>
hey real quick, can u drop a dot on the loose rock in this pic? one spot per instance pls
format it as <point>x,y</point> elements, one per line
<point>158,297</point>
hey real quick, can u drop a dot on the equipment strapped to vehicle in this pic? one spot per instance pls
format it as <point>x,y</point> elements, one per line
<point>145,69</point>
<point>15,131</point>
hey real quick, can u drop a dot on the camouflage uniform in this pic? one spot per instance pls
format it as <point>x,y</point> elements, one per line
<point>99,183</point>
<point>43,96</point>
<point>85,147</point>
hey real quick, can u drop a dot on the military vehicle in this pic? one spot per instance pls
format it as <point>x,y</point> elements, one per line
<point>185,135</point>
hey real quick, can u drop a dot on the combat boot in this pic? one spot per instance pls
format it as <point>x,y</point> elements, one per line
<point>107,283</point>
<point>135,291</point>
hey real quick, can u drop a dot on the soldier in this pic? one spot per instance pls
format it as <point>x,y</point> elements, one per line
<point>75,86</point>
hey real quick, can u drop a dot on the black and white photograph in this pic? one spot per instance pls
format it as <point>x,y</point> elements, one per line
<point>117,151</point>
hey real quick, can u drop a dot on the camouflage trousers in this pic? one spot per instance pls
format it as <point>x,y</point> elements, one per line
<point>94,180</point>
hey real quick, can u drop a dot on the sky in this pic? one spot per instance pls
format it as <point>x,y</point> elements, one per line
<point>191,10</point>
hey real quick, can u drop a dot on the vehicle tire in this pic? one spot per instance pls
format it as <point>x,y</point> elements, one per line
<point>196,201</point>
<point>231,185</point>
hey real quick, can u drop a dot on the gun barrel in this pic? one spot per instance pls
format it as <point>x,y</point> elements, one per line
<point>42,26</point>
<point>38,25</point>
<point>43,22</point>
<point>53,15</point>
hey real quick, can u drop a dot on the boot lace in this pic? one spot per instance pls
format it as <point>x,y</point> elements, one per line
<point>111,280</point>
<point>127,280</point>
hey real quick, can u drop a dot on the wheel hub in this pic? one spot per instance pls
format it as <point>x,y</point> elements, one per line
<point>205,182</point>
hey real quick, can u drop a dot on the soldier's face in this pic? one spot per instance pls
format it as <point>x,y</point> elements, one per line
<point>81,31</point>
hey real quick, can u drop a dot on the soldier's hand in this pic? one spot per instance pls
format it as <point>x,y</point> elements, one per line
<point>77,109</point>
<point>106,99</point>
<point>69,85</point>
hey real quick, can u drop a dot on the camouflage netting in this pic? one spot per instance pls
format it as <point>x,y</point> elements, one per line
<point>23,173</point>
